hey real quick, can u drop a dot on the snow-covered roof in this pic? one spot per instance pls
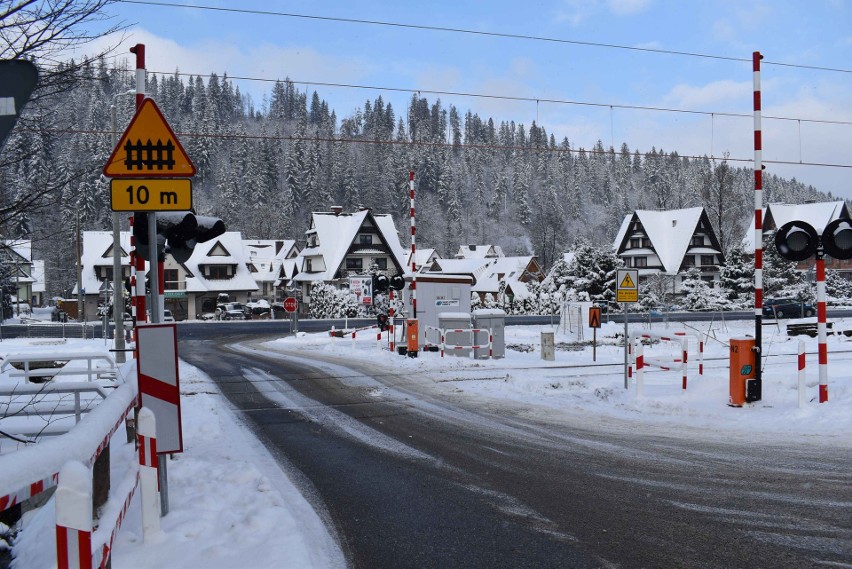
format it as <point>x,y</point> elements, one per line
<point>267,256</point>
<point>337,232</point>
<point>422,257</point>
<point>670,232</point>
<point>474,267</point>
<point>509,269</point>
<point>38,276</point>
<point>22,247</point>
<point>817,215</point>
<point>227,249</point>
<point>518,289</point>
<point>97,252</point>
<point>479,251</point>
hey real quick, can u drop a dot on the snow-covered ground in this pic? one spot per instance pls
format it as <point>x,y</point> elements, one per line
<point>232,504</point>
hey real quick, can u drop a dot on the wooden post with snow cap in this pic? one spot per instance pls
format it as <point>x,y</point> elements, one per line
<point>148,473</point>
<point>74,517</point>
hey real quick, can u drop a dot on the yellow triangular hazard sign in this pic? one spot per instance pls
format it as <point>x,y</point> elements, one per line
<point>627,282</point>
<point>149,149</point>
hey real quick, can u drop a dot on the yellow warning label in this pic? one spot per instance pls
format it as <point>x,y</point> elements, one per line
<point>626,289</point>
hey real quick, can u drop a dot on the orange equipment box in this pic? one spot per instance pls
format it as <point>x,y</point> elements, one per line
<point>742,369</point>
<point>412,336</point>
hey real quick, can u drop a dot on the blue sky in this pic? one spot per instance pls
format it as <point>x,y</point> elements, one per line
<point>817,33</point>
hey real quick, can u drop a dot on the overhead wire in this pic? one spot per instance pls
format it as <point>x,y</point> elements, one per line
<point>465,146</point>
<point>467,31</point>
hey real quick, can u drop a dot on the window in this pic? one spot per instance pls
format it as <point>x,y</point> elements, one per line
<point>635,242</point>
<point>706,260</point>
<point>219,272</point>
<point>170,278</point>
<point>308,266</point>
<point>640,261</point>
<point>365,239</point>
<point>106,274</point>
<point>689,261</point>
<point>646,242</point>
<point>354,264</point>
<point>382,263</point>
<point>697,240</point>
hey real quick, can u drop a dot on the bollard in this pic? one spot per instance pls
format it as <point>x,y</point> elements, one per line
<point>640,370</point>
<point>801,373</point>
<point>74,517</point>
<point>148,473</point>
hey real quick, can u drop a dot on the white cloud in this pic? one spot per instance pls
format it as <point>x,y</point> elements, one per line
<point>627,7</point>
<point>696,97</point>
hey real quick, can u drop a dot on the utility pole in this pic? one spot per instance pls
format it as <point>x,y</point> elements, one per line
<point>117,288</point>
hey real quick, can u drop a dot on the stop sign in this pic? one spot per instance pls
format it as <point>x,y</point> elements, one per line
<point>291,304</point>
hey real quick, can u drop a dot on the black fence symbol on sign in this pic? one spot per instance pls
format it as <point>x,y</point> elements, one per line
<point>149,156</point>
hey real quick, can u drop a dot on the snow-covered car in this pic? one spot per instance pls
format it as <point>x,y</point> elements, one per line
<point>233,315</point>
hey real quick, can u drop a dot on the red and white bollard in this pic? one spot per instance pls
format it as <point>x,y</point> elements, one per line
<point>148,473</point>
<point>74,517</point>
<point>640,370</point>
<point>802,395</point>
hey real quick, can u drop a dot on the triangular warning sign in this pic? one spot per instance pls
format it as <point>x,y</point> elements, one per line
<point>627,282</point>
<point>149,149</point>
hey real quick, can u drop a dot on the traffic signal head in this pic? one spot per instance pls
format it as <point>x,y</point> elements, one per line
<point>380,283</point>
<point>397,282</point>
<point>179,231</point>
<point>382,321</point>
<point>837,239</point>
<point>796,241</point>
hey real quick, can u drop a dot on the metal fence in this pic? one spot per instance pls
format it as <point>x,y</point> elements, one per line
<point>47,330</point>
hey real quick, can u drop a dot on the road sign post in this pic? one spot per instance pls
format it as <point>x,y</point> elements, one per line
<point>626,292</point>
<point>291,305</point>
<point>594,324</point>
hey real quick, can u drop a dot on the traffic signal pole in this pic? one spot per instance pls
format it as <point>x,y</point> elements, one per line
<point>758,232</point>
<point>141,316</point>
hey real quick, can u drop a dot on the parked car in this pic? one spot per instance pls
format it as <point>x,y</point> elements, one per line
<point>787,308</point>
<point>233,315</point>
<point>167,316</point>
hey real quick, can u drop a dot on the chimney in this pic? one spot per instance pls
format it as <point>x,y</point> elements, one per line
<point>336,209</point>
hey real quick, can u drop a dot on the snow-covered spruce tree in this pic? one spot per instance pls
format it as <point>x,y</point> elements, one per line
<point>737,277</point>
<point>838,288</point>
<point>328,302</point>
<point>699,295</point>
<point>593,270</point>
<point>780,277</point>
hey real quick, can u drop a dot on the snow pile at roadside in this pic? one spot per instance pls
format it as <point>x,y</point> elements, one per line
<point>231,504</point>
<point>574,383</point>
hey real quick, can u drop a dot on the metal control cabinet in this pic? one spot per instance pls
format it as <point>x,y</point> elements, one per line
<point>449,321</point>
<point>492,319</point>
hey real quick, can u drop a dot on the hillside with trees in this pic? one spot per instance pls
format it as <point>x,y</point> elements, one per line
<point>264,168</point>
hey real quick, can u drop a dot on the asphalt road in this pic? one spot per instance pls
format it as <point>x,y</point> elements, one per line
<point>409,475</point>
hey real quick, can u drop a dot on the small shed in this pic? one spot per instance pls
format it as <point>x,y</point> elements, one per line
<point>437,293</point>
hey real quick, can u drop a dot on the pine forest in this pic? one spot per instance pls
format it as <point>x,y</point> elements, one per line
<point>263,167</point>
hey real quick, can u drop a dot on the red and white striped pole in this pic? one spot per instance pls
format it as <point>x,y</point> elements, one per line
<point>141,314</point>
<point>391,311</point>
<point>801,373</point>
<point>758,230</point>
<point>640,369</point>
<point>821,327</point>
<point>413,247</point>
<point>148,473</point>
<point>74,517</point>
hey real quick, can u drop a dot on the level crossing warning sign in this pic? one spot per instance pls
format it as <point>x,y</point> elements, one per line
<point>626,285</point>
<point>149,149</point>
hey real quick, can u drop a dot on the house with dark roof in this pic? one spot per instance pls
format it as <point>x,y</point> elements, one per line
<point>670,242</point>
<point>340,245</point>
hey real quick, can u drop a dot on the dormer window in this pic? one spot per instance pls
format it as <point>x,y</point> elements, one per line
<point>697,240</point>
<point>365,239</point>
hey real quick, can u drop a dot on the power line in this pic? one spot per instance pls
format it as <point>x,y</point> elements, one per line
<point>510,98</point>
<point>559,150</point>
<point>477,33</point>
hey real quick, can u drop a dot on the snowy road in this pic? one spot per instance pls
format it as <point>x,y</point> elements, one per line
<point>411,474</point>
